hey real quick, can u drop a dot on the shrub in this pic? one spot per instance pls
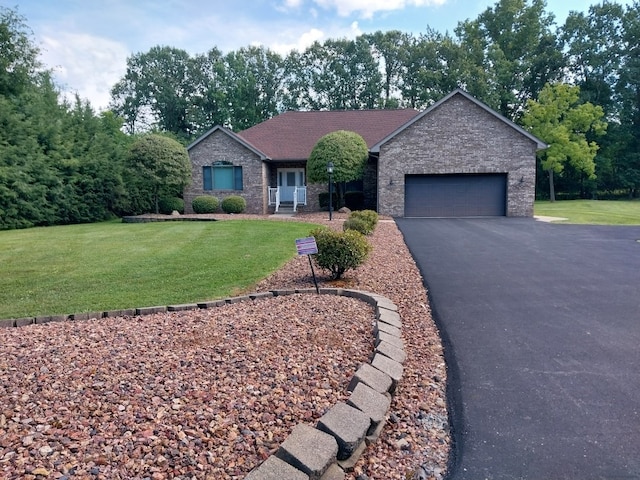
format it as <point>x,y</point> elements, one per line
<point>357,224</point>
<point>168,204</point>
<point>234,204</point>
<point>369,216</point>
<point>323,198</point>
<point>205,204</point>
<point>340,251</point>
<point>354,200</point>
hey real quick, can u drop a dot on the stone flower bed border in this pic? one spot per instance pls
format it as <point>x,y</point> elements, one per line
<point>335,444</point>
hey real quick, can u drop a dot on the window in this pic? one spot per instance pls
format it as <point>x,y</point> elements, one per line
<point>222,176</point>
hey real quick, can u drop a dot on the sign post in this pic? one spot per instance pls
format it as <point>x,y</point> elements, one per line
<point>307,246</point>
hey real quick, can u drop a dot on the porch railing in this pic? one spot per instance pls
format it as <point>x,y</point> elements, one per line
<point>274,197</point>
<point>299,197</point>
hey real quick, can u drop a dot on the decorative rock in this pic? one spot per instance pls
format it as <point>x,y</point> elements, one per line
<point>390,317</point>
<point>388,366</point>
<point>182,307</point>
<point>7,323</point>
<point>333,473</point>
<point>150,310</point>
<point>309,450</point>
<point>348,425</point>
<point>379,381</point>
<point>275,469</point>
<point>393,340</point>
<point>374,404</point>
<point>386,328</point>
<point>394,353</point>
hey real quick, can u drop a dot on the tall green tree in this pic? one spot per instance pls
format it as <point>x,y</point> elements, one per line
<point>157,91</point>
<point>157,166</point>
<point>336,75</point>
<point>390,49</point>
<point>559,118</point>
<point>628,92</point>
<point>209,101</point>
<point>253,86</point>
<point>515,44</point>
<point>595,47</point>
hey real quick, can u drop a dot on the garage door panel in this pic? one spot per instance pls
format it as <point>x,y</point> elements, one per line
<point>455,195</point>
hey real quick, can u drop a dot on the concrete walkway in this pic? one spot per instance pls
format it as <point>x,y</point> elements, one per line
<point>541,324</point>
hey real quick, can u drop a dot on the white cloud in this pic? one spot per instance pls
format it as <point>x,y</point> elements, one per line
<point>367,8</point>
<point>85,64</point>
<point>305,40</point>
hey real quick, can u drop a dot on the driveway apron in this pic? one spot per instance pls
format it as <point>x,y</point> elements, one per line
<point>541,326</point>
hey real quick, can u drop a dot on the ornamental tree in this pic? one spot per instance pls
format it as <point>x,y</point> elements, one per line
<point>158,166</point>
<point>559,119</point>
<point>346,150</point>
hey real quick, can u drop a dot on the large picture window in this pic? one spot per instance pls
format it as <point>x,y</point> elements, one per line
<point>222,176</point>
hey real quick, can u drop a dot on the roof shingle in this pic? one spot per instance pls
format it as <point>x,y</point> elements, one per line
<point>292,135</point>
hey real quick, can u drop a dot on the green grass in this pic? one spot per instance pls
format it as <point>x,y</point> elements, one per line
<point>110,266</point>
<point>596,212</point>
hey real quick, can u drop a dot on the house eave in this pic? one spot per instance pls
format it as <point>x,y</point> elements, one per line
<point>540,145</point>
<point>232,135</point>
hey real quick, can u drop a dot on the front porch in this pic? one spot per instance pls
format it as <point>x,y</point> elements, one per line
<point>287,199</point>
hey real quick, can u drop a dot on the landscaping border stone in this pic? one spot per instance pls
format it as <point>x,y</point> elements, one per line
<point>308,452</point>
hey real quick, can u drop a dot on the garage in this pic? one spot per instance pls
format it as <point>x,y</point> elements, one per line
<point>455,195</point>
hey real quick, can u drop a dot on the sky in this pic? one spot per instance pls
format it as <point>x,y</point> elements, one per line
<point>87,42</point>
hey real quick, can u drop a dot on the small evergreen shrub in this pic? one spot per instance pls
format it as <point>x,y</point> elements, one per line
<point>340,251</point>
<point>369,216</point>
<point>357,224</point>
<point>323,198</point>
<point>168,204</point>
<point>205,204</point>
<point>234,204</point>
<point>354,200</point>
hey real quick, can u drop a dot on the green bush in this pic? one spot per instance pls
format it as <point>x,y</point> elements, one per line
<point>357,224</point>
<point>205,204</point>
<point>369,216</point>
<point>234,204</point>
<point>354,200</point>
<point>340,251</point>
<point>168,204</point>
<point>323,198</point>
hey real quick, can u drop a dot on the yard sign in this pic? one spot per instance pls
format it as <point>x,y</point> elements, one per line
<point>307,246</point>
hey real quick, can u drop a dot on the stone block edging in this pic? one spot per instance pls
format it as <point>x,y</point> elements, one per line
<point>339,438</point>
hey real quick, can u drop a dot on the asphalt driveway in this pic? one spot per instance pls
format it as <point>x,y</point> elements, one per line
<point>541,325</point>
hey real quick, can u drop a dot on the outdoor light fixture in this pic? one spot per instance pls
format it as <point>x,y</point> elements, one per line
<point>330,172</point>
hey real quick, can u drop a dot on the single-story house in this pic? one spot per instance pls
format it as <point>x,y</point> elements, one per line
<point>456,158</point>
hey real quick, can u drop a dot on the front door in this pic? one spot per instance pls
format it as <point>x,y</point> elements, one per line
<point>288,180</point>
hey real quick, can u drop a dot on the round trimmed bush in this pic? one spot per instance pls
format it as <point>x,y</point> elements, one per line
<point>234,204</point>
<point>357,224</point>
<point>368,216</point>
<point>205,204</point>
<point>340,251</point>
<point>167,205</point>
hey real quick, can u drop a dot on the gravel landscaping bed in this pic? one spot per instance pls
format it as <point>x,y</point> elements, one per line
<point>212,393</point>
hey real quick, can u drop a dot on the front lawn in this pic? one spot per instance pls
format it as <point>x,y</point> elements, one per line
<point>600,212</point>
<point>112,265</point>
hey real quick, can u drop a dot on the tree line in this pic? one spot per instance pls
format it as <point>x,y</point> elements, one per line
<point>61,162</point>
<point>505,57</point>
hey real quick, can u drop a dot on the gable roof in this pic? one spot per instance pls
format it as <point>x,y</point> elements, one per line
<point>540,144</point>
<point>234,136</point>
<point>292,135</point>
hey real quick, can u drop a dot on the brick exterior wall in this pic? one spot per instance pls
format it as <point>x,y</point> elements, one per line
<point>219,146</point>
<point>458,136</point>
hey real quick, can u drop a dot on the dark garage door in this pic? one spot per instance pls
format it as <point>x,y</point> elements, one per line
<point>455,195</point>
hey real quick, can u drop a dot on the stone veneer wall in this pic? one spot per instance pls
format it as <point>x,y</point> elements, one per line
<point>458,137</point>
<point>220,147</point>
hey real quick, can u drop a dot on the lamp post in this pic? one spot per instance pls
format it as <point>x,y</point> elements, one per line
<point>330,172</point>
